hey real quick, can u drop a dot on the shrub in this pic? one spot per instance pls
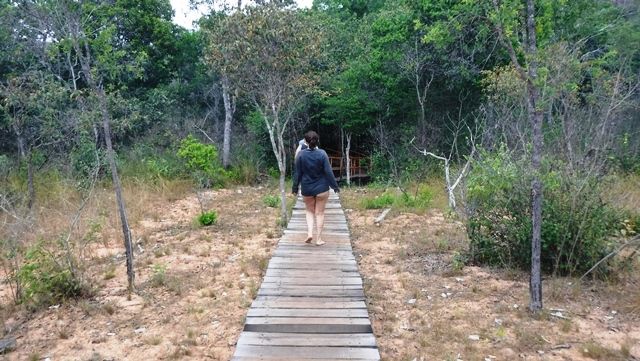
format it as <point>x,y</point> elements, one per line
<point>85,159</point>
<point>576,224</point>
<point>5,166</point>
<point>381,201</point>
<point>420,199</point>
<point>202,161</point>
<point>271,201</point>
<point>207,218</point>
<point>46,280</point>
<point>158,277</point>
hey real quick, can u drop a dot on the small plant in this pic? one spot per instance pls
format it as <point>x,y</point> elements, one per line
<point>45,280</point>
<point>153,340</point>
<point>110,272</point>
<point>207,218</point>
<point>271,201</point>
<point>381,201</point>
<point>158,278</point>
<point>458,261</point>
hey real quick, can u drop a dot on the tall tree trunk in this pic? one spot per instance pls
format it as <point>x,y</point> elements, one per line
<point>30,186</point>
<point>282,164</point>
<point>25,156</point>
<point>277,145</point>
<point>535,117</point>
<point>126,231</point>
<point>347,150</point>
<point>229,109</point>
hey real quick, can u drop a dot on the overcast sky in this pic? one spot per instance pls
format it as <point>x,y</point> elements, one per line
<point>184,16</point>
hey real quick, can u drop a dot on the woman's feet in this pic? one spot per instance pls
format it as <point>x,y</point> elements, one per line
<point>308,239</point>
<point>319,243</point>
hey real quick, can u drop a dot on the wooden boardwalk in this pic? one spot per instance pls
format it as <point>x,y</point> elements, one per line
<point>310,305</point>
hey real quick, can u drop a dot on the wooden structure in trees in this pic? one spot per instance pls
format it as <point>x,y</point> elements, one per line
<point>310,305</point>
<point>359,165</point>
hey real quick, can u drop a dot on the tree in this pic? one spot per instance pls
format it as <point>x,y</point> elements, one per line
<point>270,52</point>
<point>29,102</point>
<point>88,33</point>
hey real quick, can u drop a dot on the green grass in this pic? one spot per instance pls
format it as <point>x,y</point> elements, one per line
<point>419,199</point>
<point>207,218</point>
<point>271,201</point>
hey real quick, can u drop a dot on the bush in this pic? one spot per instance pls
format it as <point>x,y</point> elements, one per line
<point>85,159</point>
<point>202,161</point>
<point>420,199</point>
<point>45,280</point>
<point>207,218</point>
<point>381,201</point>
<point>271,201</point>
<point>576,223</point>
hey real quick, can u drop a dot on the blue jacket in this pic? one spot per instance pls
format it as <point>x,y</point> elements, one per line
<point>313,172</point>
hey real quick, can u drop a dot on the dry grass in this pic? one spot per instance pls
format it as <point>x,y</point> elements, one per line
<point>596,351</point>
<point>416,256</point>
<point>624,192</point>
<point>209,276</point>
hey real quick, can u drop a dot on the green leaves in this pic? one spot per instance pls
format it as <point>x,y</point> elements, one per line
<point>269,52</point>
<point>202,161</point>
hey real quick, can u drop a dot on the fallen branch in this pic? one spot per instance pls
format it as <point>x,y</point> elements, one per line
<point>559,315</point>
<point>631,242</point>
<point>381,217</point>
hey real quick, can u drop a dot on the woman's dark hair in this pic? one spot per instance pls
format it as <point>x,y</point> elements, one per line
<point>311,138</point>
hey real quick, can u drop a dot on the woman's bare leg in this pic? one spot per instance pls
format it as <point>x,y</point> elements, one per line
<point>321,203</point>
<point>310,209</point>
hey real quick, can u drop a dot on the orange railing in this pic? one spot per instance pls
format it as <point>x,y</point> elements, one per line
<point>359,166</point>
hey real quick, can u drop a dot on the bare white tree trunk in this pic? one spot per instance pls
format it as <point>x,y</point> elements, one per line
<point>276,131</point>
<point>229,110</point>
<point>451,186</point>
<point>347,150</point>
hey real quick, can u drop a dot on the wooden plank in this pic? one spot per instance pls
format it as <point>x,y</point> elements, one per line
<point>310,305</point>
<point>309,328</point>
<point>313,265</point>
<point>314,252</point>
<point>306,287</point>
<point>310,292</point>
<point>294,339</point>
<point>324,233</point>
<point>307,298</point>
<point>308,312</point>
<point>326,281</point>
<point>311,273</point>
<point>316,304</point>
<point>266,358</point>
<point>282,260</point>
<point>295,353</point>
<point>301,292</point>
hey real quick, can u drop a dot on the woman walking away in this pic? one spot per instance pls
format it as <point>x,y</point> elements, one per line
<point>313,173</point>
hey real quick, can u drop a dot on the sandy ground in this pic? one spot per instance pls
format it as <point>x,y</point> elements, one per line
<point>425,305</point>
<point>194,286</point>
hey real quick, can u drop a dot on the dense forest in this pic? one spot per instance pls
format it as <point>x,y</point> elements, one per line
<point>526,112</point>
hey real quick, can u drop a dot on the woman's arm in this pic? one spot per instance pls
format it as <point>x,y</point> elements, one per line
<point>297,175</point>
<point>329,173</point>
